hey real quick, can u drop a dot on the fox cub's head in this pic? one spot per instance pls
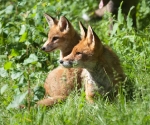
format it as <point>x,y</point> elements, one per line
<point>60,31</point>
<point>86,53</point>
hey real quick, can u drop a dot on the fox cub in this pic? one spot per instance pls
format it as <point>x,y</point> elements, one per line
<point>103,71</point>
<point>61,81</point>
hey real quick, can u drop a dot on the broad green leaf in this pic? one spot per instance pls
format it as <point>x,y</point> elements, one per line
<point>3,56</point>
<point>9,9</point>
<point>8,65</point>
<point>15,75</point>
<point>23,37</point>
<point>52,8</point>
<point>3,72</point>
<point>4,87</point>
<point>39,92</point>
<point>17,100</point>
<point>2,11</point>
<point>32,59</point>
<point>14,53</point>
<point>21,81</point>
<point>23,29</point>
<point>39,64</point>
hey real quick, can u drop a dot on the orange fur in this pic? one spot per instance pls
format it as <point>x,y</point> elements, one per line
<point>103,71</point>
<point>61,81</point>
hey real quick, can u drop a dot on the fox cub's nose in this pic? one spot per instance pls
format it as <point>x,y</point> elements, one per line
<point>43,48</point>
<point>61,61</point>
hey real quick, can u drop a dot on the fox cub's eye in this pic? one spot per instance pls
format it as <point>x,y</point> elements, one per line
<point>55,38</point>
<point>78,53</point>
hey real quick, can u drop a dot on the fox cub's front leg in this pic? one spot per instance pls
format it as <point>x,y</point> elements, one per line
<point>90,92</point>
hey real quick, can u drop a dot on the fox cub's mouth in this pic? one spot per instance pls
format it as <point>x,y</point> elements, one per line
<point>68,64</point>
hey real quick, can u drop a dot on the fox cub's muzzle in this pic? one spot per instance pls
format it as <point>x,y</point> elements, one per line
<point>61,61</point>
<point>43,48</point>
<point>67,64</point>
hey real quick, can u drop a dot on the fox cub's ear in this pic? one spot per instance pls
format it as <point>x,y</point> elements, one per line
<point>91,37</point>
<point>83,30</point>
<point>63,24</point>
<point>50,20</point>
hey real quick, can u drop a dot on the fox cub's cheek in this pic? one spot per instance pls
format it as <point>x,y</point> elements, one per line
<point>83,58</point>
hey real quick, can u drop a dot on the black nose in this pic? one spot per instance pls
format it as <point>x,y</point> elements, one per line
<point>43,48</point>
<point>61,61</point>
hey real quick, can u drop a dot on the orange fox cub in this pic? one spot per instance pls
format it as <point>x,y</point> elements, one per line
<point>61,81</point>
<point>103,70</point>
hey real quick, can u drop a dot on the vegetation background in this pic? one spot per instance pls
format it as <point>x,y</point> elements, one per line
<point>24,67</point>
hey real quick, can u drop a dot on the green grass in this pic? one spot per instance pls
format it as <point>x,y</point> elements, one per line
<point>23,63</point>
<point>76,111</point>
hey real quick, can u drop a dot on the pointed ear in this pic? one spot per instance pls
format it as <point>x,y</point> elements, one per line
<point>90,37</point>
<point>63,24</point>
<point>83,30</point>
<point>50,20</point>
